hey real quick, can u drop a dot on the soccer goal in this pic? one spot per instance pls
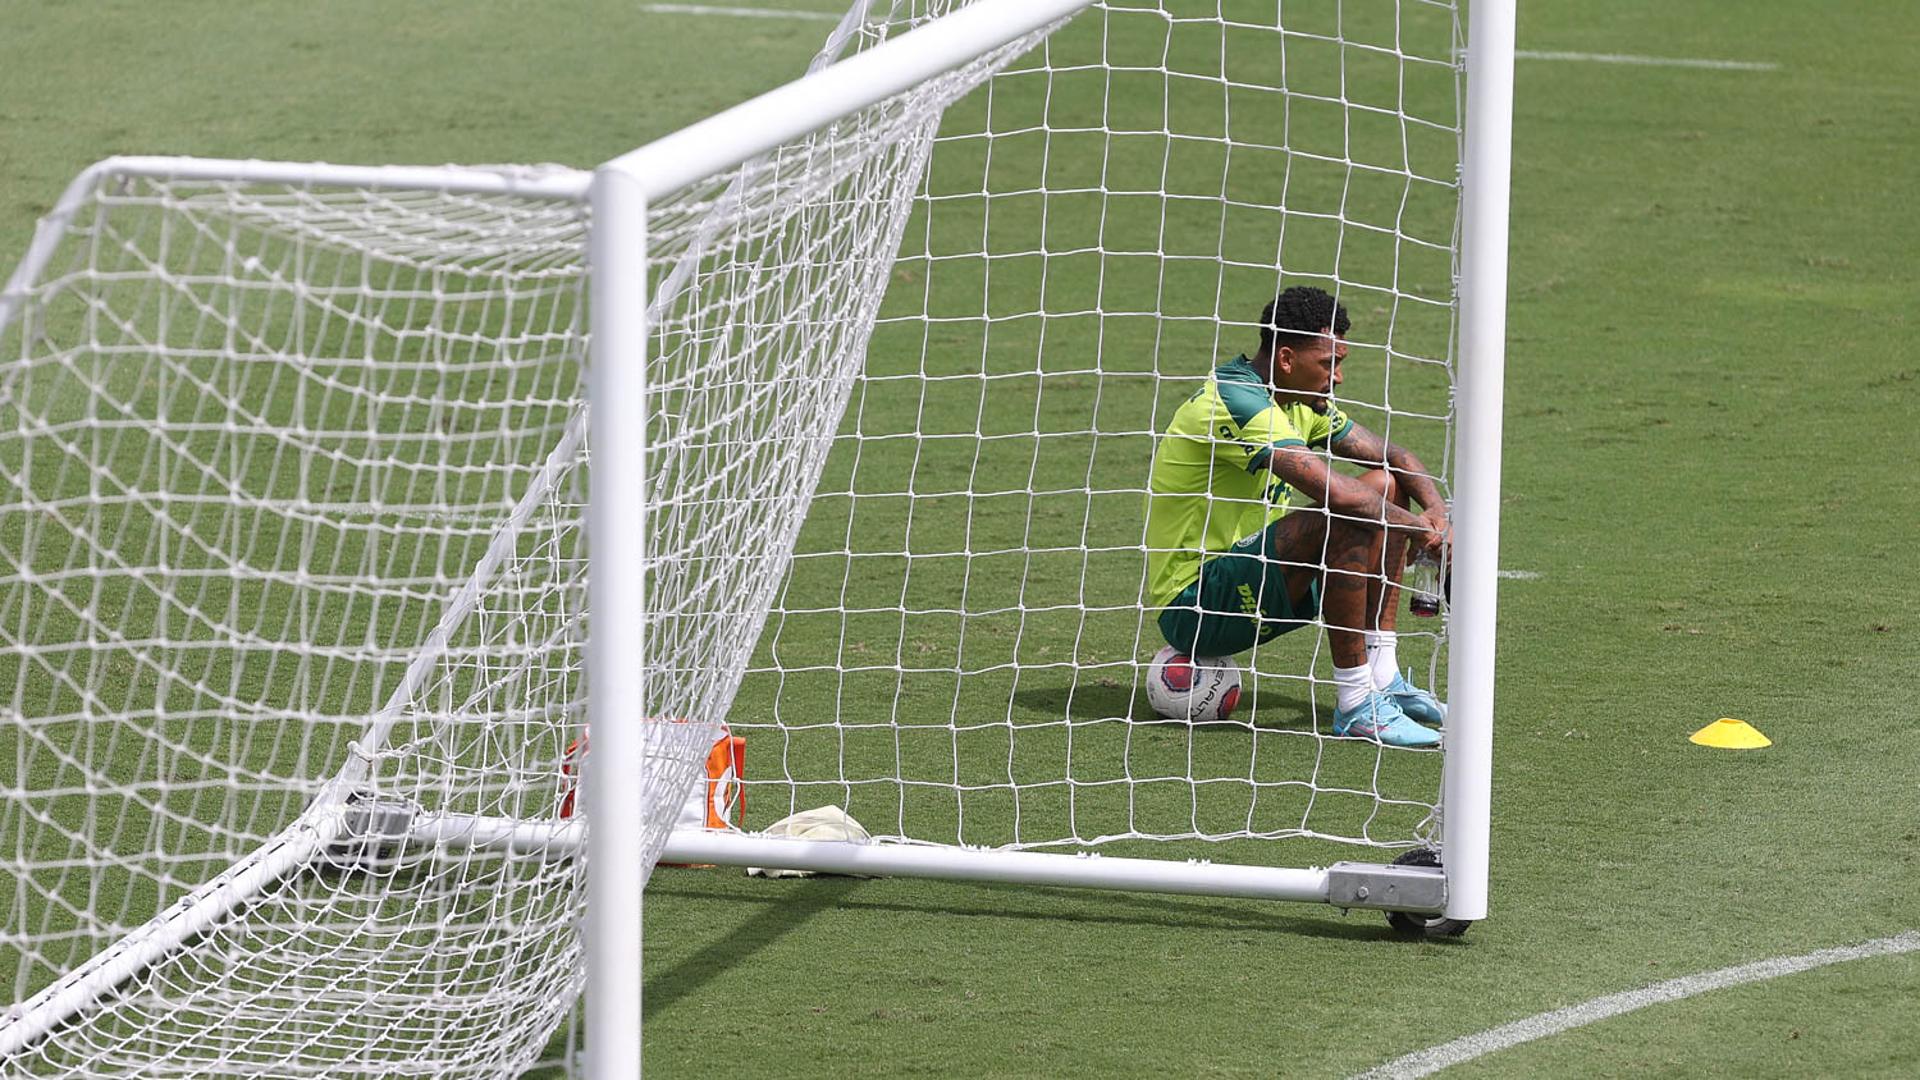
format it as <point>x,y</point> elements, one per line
<point>342,502</point>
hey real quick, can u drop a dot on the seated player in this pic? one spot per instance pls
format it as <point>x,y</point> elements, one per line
<point>1251,532</point>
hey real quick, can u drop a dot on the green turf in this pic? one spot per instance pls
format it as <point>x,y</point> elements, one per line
<point>1709,413</point>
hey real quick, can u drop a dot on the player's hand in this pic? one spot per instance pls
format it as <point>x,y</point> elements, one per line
<point>1439,534</point>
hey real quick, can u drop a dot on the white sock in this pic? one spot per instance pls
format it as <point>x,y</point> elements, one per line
<point>1383,656</point>
<point>1351,686</point>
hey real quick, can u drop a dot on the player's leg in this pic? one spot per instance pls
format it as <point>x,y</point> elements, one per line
<point>1332,555</point>
<point>1344,559</point>
<point>1247,594</point>
<point>1219,614</point>
<point>1383,592</point>
<point>1383,607</point>
<point>1312,561</point>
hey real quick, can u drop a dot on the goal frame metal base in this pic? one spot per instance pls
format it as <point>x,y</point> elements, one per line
<point>386,832</point>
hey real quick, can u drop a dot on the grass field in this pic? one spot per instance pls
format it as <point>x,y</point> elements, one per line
<point>1709,403</point>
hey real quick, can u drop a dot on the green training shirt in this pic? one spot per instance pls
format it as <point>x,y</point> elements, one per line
<point>1209,487</point>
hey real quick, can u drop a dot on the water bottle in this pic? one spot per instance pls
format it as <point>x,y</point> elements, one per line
<point>1423,583</point>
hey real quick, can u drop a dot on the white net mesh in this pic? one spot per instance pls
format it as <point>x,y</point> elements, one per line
<point>293,549</point>
<point>282,517</point>
<point>956,656</point>
<point>292,579</point>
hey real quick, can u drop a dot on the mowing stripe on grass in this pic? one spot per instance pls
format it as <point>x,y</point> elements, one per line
<point>737,12</point>
<point>1433,1059</point>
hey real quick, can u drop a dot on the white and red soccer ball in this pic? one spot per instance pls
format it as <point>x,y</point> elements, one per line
<point>1192,688</point>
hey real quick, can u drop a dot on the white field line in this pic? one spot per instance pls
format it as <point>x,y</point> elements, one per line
<point>1518,575</point>
<point>738,12</point>
<point>1648,61</point>
<point>1433,1059</point>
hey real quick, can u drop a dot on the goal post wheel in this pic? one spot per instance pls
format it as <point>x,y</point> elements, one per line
<point>1408,922</point>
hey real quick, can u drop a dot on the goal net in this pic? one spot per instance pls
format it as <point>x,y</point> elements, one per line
<point>293,580</point>
<point>295,465</point>
<point>958,652</point>
<point>292,527</point>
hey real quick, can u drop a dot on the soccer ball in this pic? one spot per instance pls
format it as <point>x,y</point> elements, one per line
<point>1182,687</point>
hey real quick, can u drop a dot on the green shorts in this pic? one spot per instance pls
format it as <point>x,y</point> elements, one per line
<point>1239,601</point>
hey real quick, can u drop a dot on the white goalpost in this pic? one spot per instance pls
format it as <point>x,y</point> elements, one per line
<point>341,503</point>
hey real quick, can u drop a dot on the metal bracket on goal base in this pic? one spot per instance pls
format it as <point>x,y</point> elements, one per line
<point>372,831</point>
<point>386,833</point>
<point>1418,889</point>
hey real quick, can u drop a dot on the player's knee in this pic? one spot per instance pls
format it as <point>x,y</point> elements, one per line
<point>1348,532</point>
<point>1383,482</point>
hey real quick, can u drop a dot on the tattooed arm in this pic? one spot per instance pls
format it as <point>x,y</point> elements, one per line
<point>1309,473</point>
<point>1368,449</point>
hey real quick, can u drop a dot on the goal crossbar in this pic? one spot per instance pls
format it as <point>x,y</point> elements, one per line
<point>550,182</point>
<point>730,137</point>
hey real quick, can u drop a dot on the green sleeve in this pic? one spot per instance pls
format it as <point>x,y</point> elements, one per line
<point>1262,434</point>
<point>1329,427</point>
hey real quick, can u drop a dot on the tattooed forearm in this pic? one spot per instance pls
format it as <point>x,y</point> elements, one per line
<point>1414,477</point>
<point>1364,447</point>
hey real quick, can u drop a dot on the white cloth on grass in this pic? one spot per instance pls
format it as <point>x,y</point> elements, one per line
<point>821,823</point>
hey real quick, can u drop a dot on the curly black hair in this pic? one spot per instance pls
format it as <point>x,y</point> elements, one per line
<point>1298,315</point>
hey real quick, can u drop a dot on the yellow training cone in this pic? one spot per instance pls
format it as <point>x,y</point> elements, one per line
<point>1730,734</point>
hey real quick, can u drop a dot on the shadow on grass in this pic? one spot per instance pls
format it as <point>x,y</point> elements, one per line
<point>1106,699</point>
<point>1355,925</point>
<point>1086,700</point>
<point>784,914</point>
<point>799,901</point>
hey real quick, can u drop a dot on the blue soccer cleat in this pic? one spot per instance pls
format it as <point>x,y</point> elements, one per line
<point>1419,705</point>
<point>1379,718</point>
